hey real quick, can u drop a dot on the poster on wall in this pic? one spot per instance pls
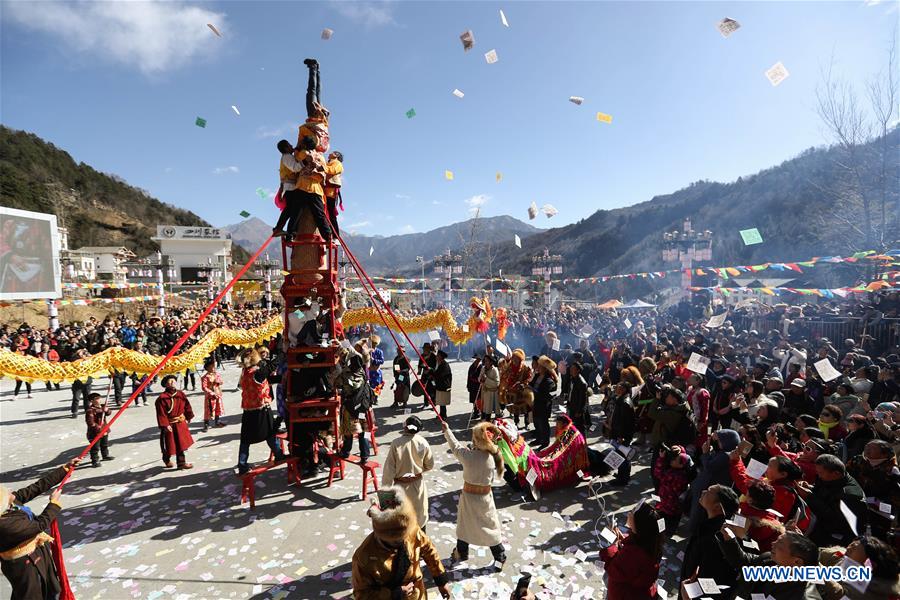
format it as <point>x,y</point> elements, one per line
<point>29,255</point>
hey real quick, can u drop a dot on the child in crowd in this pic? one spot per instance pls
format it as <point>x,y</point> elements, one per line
<point>673,471</point>
<point>211,384</point>
<point>95,417</point>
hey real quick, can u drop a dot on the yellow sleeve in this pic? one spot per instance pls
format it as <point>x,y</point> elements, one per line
<point>334,167</point>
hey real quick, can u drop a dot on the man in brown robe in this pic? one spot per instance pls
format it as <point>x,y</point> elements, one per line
<point>387,564</point>
<point>25,547</point>
<point>173,413</point>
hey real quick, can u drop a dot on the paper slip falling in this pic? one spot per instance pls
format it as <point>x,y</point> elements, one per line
<point>434,335</point>
<point>244,214</point>
<point>458,93</point>
<point>490,56</point>
<point>604,118</point>
<point>825,370</point>
<point>518,241</point>
<point>777,74</point>
<point>503,19</point>
<point>448,175</point>
<point>756,469</point>
<point>235,109</point>
<point>751,236</point>
<point>327,33</point>
<point>556,344</point>
<point>717,321</point>
<point>214,30</point>
<point>502,348</point>
<point>614,460</point>
<point>627,323</point>
<point>549,210</point>
<point>727,26</point>
<point>371,250</point>
<point>532,211</point>
<point>200,122</point>
<point>698,363</point>
<point>410,113</point>
<point>499,176</point>
<point>576,100</point>
<point>849,516</point>
<point>468,40</point>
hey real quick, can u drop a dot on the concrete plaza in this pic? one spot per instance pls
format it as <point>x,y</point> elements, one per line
<point>133,529</point>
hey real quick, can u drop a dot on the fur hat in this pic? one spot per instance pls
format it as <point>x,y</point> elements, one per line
<point>483,438</point>
<point>396,520</point>
<point>520,353</point>
<point>547,363</point>
<point>250,358</point>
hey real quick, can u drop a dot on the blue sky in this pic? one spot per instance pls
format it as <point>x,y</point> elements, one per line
<point>119,84</point>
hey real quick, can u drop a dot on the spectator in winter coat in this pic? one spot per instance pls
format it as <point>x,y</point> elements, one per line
<point>789,550</point>
<point>669,415</point>
<point>833,486</point>
<point>781,473</point>
<point>698,400</point>
<point>620,415</point>
<point>876,472</point>
<point>830,423</point>
<point>703,556</point>
<point>713,469</point>
<point>632,561</point>
<point>762,525</point>
<point>864,550</point>
<point>672,471</point>
<point>859,433</point>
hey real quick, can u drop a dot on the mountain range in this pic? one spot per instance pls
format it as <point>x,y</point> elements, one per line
<point>825,201</point>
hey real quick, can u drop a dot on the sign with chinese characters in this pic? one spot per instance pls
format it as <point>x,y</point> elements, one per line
<point>178,232</point>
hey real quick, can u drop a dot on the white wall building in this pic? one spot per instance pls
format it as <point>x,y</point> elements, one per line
<point>191,249</point>
<point>109,261</point>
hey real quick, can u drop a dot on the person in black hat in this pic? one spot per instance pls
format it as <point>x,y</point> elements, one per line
<point>425,370</point>
<point>473,383</point>
<point>577,400</point>
<point>443,381</point>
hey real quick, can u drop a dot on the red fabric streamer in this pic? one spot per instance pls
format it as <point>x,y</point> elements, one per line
<point>376,298</point>
<point>66,593</point>
<point>280,202</point>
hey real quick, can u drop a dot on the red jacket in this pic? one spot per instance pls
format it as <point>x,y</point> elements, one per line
<point>808,467</point>
<point>763,535</point>
<point>95,419</point>
<point>632,573</point>
<point>784,496</point>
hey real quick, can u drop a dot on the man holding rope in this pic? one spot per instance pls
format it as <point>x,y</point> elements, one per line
<point>25,556</point>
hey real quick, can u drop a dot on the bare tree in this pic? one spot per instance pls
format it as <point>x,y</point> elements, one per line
<point>882,91</point>
<point>853,125</point>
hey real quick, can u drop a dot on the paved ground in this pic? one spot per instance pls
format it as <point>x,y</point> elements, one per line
<point>133,529</point>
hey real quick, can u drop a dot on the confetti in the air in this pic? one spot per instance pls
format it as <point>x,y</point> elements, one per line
<point>499,176</point>
<point>532,211</point>
<point>244,214</point>
<point>200,122</point>
<point>491,56</point>
<point>576,100</point>
<point>727,26</point>
<point>371,250</point>
<point>458,93</point>
<point>777,74</point>
<point>235,109</point>
<point>327,33</point>
<point>214,30</point>
<point>751,236</point>
<point>468,40</point>
<point>503,19</point>
<point>604,118</point>
<point>549,210</point>
<point>410,113</point>
<point>448,175</point>
<point>518,241</point>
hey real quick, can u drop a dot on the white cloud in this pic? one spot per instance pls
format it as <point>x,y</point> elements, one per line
<point>477,200</point>
<point>224,170</point>
<point>368,14</point>
<point>360,224</point>
<point>276,131</point>
<point>407,229</point>
<point>402,197</point>
<point>151,36</point>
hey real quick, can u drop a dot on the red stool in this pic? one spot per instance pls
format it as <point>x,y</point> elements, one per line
<point>369,471</point>
<point>336,465</point>
<point>282,440</point>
